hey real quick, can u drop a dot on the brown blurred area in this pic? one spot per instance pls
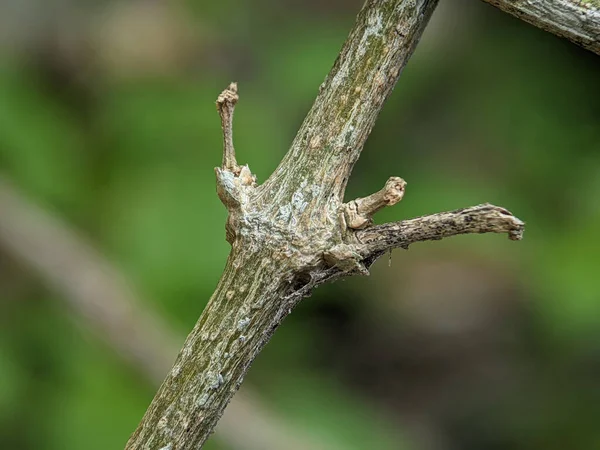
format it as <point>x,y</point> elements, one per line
<point>107,122</point>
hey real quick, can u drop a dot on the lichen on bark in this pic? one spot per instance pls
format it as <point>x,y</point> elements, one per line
<point>291,233</point>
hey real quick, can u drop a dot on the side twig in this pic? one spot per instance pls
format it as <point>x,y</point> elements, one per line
<point>226,106</point>
<point>359,213</point>
<point>484,218</point>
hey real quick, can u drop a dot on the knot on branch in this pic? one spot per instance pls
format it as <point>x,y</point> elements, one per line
<point>232,188</point>
<point>345,258</point>
<point>358,213</point>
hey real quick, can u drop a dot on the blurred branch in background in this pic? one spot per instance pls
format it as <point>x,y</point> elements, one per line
<point>576,20</point>
<point>100,300</point>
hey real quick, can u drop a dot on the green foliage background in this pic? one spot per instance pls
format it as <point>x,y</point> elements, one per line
<point>122,143</point>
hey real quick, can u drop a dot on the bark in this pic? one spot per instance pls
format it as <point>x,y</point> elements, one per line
<point>293,232</point>
<point>578,21</point>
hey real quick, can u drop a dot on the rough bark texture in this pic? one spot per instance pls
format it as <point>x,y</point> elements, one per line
<point>292,233</point>
<point>578,21</point>
<point>484,218</point>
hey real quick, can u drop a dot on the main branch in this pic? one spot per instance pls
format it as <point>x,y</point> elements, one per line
<point>331,138</point>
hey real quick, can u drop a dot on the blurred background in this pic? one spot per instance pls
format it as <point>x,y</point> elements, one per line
<point>108,139</point>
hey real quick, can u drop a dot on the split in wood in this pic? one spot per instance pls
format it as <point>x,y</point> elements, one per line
<point>359,213</point>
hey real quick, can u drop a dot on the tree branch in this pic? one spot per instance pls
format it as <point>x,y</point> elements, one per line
<point>578,21</point>
<point>291,234</point>
<point>359,213</point>
<point>331,138</point>
<point>226,106</point>
<point>484,218</point>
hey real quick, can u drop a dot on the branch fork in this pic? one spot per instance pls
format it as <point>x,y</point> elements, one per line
<point>357,215</point>
<point>365,243</point>
<point>285,234</point>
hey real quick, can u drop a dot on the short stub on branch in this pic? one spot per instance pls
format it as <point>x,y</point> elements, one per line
<point>359,213</point>
<point>231,177</point>
<point>226,106</point>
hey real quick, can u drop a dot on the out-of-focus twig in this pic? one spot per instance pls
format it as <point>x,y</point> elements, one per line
<point>576,20</point>
<point>88,284</point>
<point>100,298</point>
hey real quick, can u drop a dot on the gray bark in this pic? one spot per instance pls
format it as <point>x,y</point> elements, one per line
<point>293,232</point>
<point>578,21</point>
